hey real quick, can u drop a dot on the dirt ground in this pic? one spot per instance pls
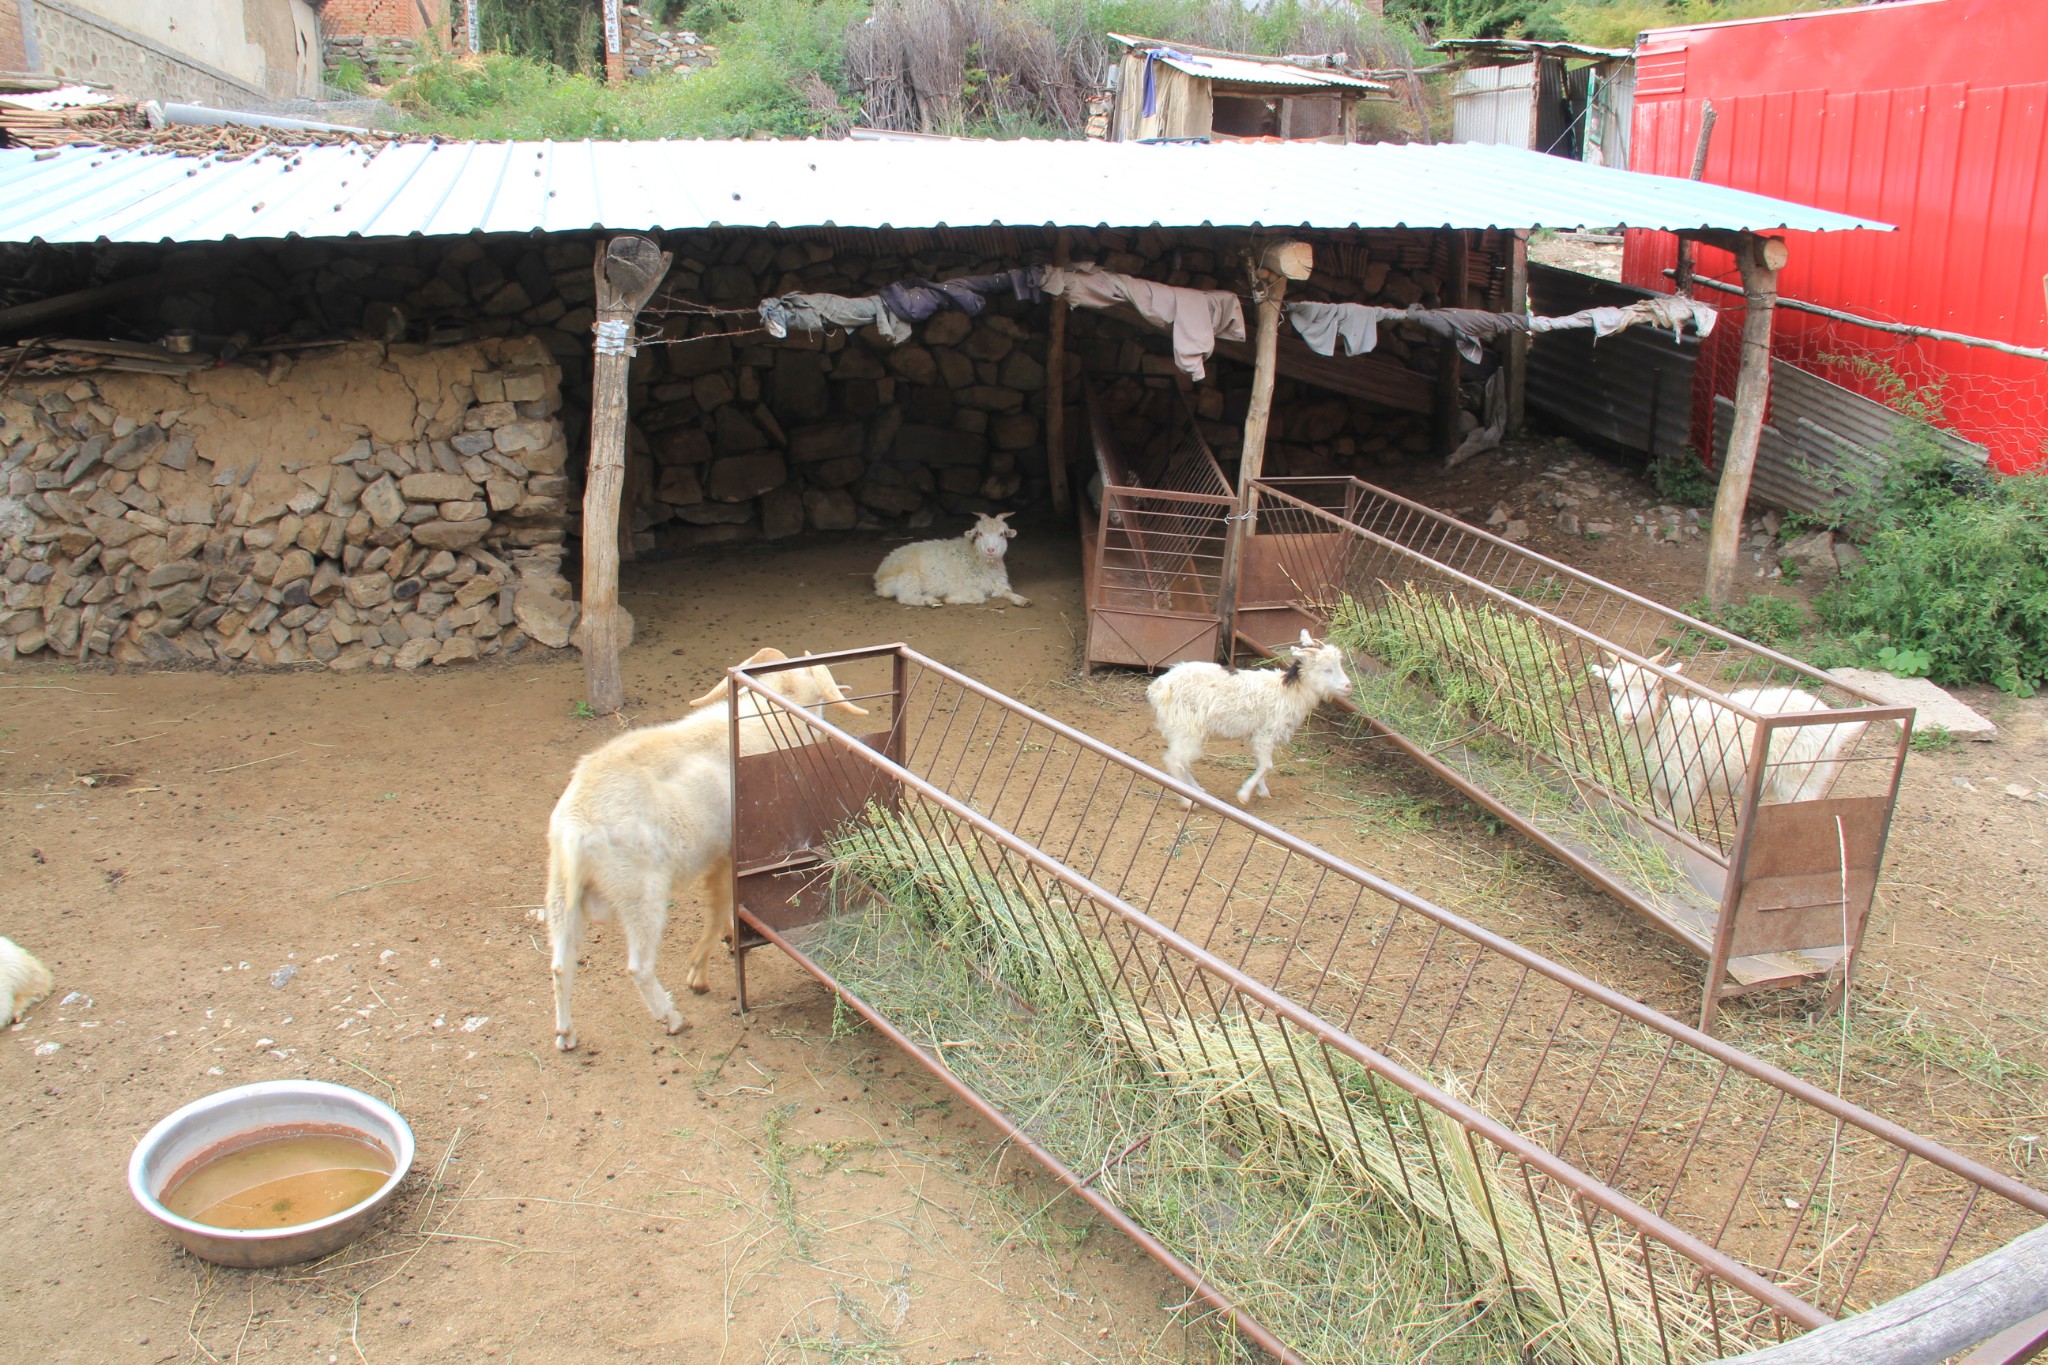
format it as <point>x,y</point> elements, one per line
<point>238,878</point>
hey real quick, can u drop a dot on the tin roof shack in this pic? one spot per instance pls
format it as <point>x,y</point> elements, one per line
<point>1171,90</point>
<point>1562,99</point>
<point>1924,115</point>
<point>729,434</point>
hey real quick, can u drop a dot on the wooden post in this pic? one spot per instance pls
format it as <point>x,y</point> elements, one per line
<point>628,270</point>
<point>1761,258</point>
<point>1518,342</point>
<point>1450,373</point>
<point>1056,393</point>
<point>1278,263</point>
<point>1940,1319</point>
<point>1699,169</point>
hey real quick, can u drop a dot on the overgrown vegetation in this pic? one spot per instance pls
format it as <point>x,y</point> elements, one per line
<point>1953,581</point>
<point>1683,478</point>
<point>1332,1206</point>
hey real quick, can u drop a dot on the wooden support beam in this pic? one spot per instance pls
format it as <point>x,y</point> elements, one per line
<point>629,269</point>
<point>1450,365</point>
<point>25,317</point>
<point>1056,393</point>
<point>1277,264</point>
<point>1518,342</point>
<point>1934,1322</point>
<point>1752,396</point>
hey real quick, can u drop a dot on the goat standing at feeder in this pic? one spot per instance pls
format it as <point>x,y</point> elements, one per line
<point>650,808</point>
<point>23,980</point>
<point>1195,702</point>
<point>1696,750</point>
<point>962,572</point>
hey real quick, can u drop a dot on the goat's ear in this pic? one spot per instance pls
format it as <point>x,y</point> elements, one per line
<point>1676,668</point>
<point>718,693</point>
<point>1611,657</point>
<point>1663,656</point>
<point>1596,671</point>
<point>842,704</point>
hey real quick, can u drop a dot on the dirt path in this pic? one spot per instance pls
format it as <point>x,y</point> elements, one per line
<point>240,878</point>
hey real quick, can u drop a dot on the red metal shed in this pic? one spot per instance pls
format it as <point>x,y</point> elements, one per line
<point>1929,114</point>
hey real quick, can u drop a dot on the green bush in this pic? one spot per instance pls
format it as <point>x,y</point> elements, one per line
<point>1774,622</point>
<point>349,77</point>
<point>1683,479</point>
<point>1955,570</point>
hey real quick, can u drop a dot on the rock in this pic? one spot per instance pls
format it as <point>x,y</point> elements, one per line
<point>489,415</point>
<point>915,364</point>
<point>451,535</point>
<point>797,390</point>
<point>294,566</point>
<point>625,629</point>
<point>1937,708</point>
<point>742,477</point>
<point>1013,431</point>
<point>457,650</point>
<point>992,398</point>
<point>1499,516</point>
<point>837,473</point>
<point>464,511</point>
<point>679,487</point>
<point>890,499</point>
<point>1813,553</point>
<point>827,440</point>
<point>986,343</point>
<point>928,445</point>
<point>521,438</point>
<point>383,501</point>
<point>830,509</point>
<point>782,513</point>
<point>1599,528</point>
<point>947,329</point>
<point>168,574</point>
<point>544,618</point>
<point>502,493</point>
<point>736,433</point>
<point>413,653</point>
<point>437,488</point>
<point>1516,530</point>
<point>1568,522</point>
<point>368,590</point>
<point>547,459</point>
<point>1020,371</point>
<point>956,371</point>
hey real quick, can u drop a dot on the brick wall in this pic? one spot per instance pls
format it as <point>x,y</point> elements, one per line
<point>379,18</point>
<point>13,51</point>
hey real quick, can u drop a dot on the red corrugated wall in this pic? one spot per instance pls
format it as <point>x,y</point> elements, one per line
<point>1931,115</point>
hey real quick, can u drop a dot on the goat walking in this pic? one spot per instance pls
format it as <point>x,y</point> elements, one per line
<point>651,808</point>
<point>1195,702</point>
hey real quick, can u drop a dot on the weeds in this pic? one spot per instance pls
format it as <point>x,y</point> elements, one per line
<point>1935,739</point>
<point>1683,479</point>
<point>582,710</point>
<point>1774,622</point>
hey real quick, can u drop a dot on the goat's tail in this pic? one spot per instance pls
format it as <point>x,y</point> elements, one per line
<point>565,878</point>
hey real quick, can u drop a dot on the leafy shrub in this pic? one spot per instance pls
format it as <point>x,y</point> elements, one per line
<point>349,77</point>
<point>1774,622</point>
<point>1682,478</point>
<point>1955,569</point>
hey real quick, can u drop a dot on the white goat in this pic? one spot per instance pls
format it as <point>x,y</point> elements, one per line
<point>650,808</point>
<point>1195,702</point>
<point>963,572</point>
<point>23,980</point>
<point>1698,751</point>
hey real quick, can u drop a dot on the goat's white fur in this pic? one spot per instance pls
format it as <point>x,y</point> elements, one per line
<point>1195,702</point>
<point>962,572</point>
<point>648,809</point>
<point>23,980</point>
<point>1696,750</point>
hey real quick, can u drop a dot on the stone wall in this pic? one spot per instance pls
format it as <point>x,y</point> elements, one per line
<point>740,437</point>
<point>367,505</point>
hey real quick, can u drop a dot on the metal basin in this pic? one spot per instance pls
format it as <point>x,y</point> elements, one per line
<point>209,1128</point>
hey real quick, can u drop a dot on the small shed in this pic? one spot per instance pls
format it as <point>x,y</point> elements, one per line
<point>1564,99</point>
<point>1172,90</point>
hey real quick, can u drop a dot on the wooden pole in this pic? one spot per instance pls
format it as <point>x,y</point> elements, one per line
<point>1934,1322</point>
<point>628,271</point>
<point>1518,342</point>
<point>1699,169</point>
<point>1760,259</point>
<point>1056,393</point>
<point>1450,372</point>
<point>1278,263</point>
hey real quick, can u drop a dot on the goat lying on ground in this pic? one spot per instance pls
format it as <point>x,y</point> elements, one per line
<point>1696,751</point>
<point>23,980</point>
<point>962,572</point>
<point>1195,702</point>
<point>648,809</point>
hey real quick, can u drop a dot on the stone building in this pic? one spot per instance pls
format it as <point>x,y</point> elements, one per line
<point>227,53</point>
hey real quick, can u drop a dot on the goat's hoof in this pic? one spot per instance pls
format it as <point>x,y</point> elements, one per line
<point>1020,601</point>
<point>565,1042</point>
<point>1186,803</point>
<point>675,1023</point>
<point>698,986</point>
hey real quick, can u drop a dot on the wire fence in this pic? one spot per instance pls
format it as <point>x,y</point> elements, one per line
<point>1338,1111</point>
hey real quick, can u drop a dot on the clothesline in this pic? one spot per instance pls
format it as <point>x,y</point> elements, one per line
<point>1197,318</point>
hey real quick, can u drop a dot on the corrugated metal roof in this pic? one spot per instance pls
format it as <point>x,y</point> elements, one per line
<point>1520,49</point>
<point>1246,71</point>
<point>449,189</point>
<point>1243,69</point>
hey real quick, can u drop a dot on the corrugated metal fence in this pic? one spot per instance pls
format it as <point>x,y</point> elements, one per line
<point>1634,391</point>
